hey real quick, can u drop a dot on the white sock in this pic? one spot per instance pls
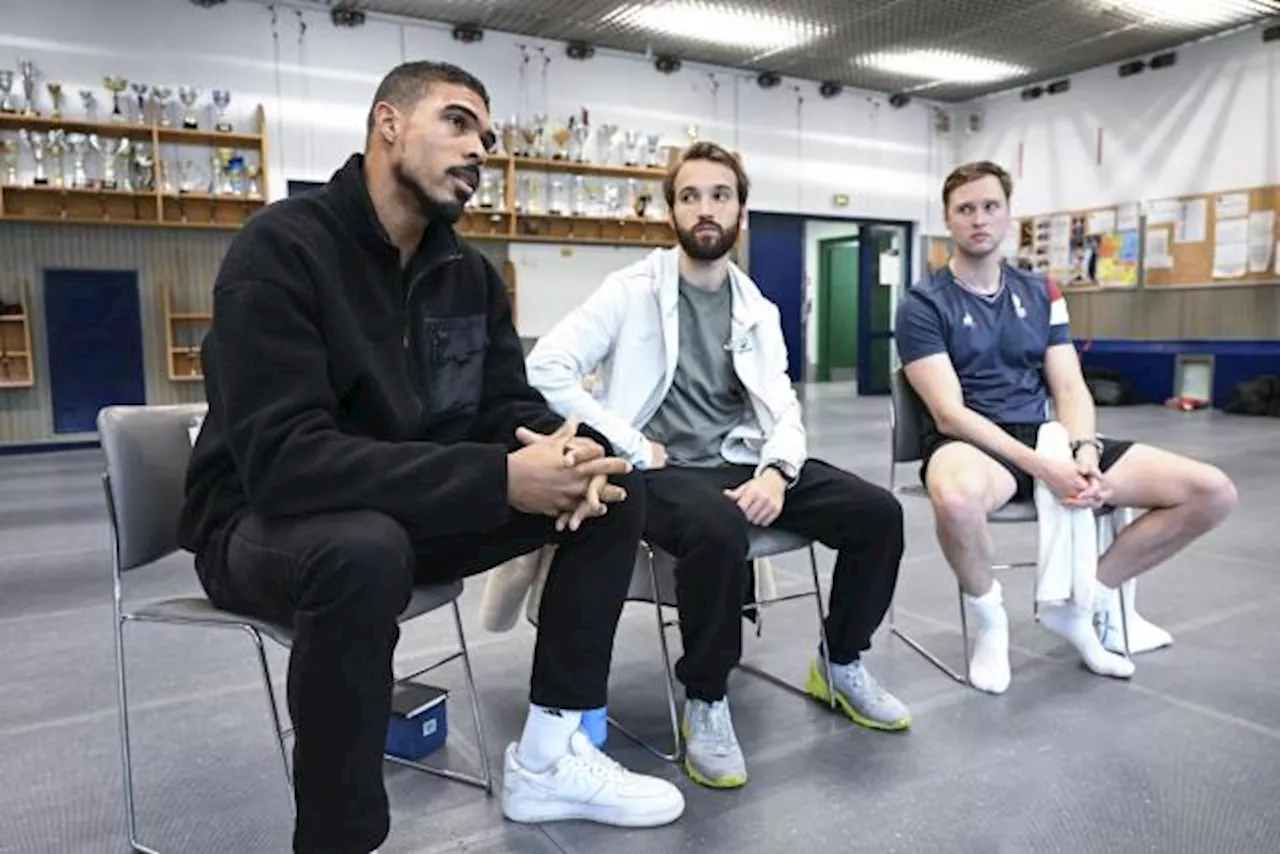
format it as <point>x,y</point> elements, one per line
<point>546,736</point>
<point>1075,625</point>
<point>989,664</point>
<point>1144,636</point>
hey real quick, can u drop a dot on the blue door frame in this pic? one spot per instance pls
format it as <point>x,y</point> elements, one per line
<point>776,259</point>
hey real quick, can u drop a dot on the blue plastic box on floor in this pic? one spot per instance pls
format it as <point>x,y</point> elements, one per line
<point>419,720</point>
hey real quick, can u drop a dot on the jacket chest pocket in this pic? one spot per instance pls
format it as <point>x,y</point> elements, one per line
<point>454,352</point>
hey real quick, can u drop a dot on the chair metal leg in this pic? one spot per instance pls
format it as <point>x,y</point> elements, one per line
<point>272,704</point>
<point>928,656</point>
<point>825,649</point>
<point>677,743</point>
<point>485,779</point>
<point>126,760</point>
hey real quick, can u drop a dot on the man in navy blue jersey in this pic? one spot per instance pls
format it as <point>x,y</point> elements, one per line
<point>987,349</point>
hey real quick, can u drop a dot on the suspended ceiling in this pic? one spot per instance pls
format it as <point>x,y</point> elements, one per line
<point>831,39</point>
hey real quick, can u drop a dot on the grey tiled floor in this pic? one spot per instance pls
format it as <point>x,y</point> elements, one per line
<point>1185,758</point>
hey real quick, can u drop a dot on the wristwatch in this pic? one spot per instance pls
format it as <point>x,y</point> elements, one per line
<point>784,468</point>
<point>1080,443</point>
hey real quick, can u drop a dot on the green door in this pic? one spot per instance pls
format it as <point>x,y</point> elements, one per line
<point>838,309</point>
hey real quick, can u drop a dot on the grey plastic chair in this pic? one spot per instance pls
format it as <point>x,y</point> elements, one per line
<point>654,581</point>
<point>147,449</point>
<point>906,421</point>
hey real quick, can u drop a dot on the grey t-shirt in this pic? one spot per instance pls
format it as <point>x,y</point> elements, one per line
<point>706,399</point>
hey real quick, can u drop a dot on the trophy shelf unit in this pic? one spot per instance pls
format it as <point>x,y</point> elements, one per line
<point>16,363</point>
<point>509,224</point>
<point>150,208</point>
<point>183,333</point>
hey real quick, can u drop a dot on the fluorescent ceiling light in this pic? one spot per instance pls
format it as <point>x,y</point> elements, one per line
<point>941,65</point>
<point>718,23</point>
<point>1192,13</point>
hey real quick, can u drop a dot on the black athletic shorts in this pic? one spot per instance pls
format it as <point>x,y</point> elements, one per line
<point>1027,434</point>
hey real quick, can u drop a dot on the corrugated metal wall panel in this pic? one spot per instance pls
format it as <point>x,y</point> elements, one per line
<point>185,261</point>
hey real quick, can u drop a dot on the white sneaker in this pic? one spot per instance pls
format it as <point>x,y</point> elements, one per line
<point>585,784</point>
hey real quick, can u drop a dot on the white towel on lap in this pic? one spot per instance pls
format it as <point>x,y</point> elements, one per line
<point>1068,563</point>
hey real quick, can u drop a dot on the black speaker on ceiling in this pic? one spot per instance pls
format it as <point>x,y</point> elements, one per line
<point>346,15</point>
<point>899,100</point>
<point>667,64</point>
<point>1164,60</point>
<point>468,33</point>
<point>1131,68</point>
<point>1059,87</point>
<point>1032,93</point>
<point>579,50</point>
<point>767,80</point>
<point>1271,33</point>
<point>829,89</point>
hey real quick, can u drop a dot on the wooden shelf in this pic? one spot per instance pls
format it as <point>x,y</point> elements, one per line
<point>182,359</point>
<point>479,224</point>
<point>17,367</point>
<point>573,167</point>
<point>47,204</point>
<point>143,133</point>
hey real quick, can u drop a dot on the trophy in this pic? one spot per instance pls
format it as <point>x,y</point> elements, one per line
<point>484,195</point>
<point>35,143</point>
<point>651,147</point>
<point>142,168</point>
<point>221,163</point>
<point>9,148</point>
<point>76,142</point>
<point>691,131</point>
<point>539,135</point>
<point>109,151</point>
<point>115,85</point>
<point>160,99</point>
<point>55,95</point>
<point>527,138</point>
<point>561,137</point>
<point>188,96</point>
<point>604,142</point>
<point>252,175</point>
<point>509,132</point>
<point>580,197</point>
<point>558,201</point>
<point>221,99</point>
<point>57,148</point>
<point>90,103</point>
<point>580,131</point>
<point>27,69</point>
<point>6,92</point>
<point>140,95</point>
<point>631,143</point>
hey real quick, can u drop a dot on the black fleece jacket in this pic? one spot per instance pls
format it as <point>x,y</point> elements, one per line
<point>337,380</point>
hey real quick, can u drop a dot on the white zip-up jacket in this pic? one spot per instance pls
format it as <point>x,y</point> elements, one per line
<point>628,331</point>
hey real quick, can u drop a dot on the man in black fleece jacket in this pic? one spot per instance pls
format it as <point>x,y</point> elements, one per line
<point>370,426</point>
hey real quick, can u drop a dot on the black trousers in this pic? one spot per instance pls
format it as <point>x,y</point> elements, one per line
<point>341,579</point>
<point>689,517</point>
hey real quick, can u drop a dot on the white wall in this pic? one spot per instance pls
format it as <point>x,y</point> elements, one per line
<point>1211,122</point>
<point>316,81</point>
<point>815,231</point>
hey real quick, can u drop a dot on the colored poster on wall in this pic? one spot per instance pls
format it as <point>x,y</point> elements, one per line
<point>1118,259</point>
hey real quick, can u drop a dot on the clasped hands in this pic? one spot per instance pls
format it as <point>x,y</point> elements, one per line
<point>562,475</point>
<point>1078,483</point>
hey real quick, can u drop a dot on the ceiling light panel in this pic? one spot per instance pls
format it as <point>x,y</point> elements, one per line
<point>1190,13</point>
<point>942,66</point>
<point>719,23</point>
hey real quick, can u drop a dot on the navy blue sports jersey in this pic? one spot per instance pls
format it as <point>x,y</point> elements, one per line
<point>997,344</point>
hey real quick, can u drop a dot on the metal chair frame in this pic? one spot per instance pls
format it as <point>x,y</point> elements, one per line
<point>255,629</point>
<point>647,564</point>
<point>905,447</point>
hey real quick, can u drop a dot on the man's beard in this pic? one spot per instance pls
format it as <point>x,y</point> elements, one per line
<point>701,249</point>
<point>435,209</point>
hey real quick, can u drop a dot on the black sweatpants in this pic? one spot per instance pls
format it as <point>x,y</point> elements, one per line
<point>341,579</point>
<point>689,517</point>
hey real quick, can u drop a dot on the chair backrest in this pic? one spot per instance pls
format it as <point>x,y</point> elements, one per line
<point>907,416</point>
<point>147,449</point>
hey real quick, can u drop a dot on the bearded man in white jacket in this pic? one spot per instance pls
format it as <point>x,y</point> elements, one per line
<point>696,394</point>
